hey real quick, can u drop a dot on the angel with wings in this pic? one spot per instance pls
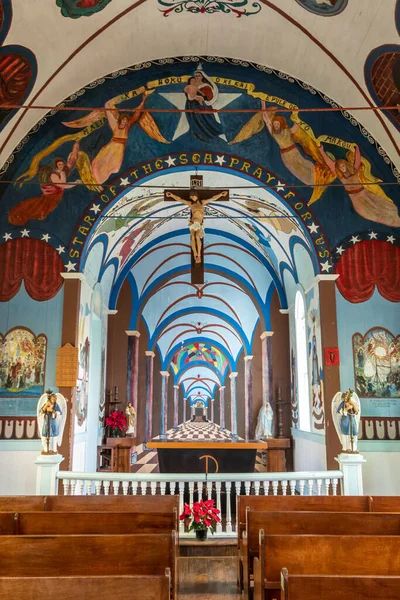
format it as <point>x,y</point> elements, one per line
<point>346,414</point>
<point>51,416</point>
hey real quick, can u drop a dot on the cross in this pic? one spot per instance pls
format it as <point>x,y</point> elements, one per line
<point>196,197</point>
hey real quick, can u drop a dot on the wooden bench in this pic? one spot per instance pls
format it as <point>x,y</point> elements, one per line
<point>21,503</point>
<point>122,587</point>
<point>89,555</point>
<point>127,503</point>
<point>338,587</point>
<point>297,523</point>
<point>385,504</point>
<point>322,554</point>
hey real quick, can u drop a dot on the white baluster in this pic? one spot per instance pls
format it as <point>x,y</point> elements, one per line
<point>66,487</point>
<point>200,490</point>
<point>125,487</point>
<point>266,487</point>
<point>257,488</point>
<point>88,487</point>
<point>247,485</point>
<point>134,488</point>
<point>310,484</point>
<point>334,486</point>
<point>172,485</point>
<point>106,485</point>
<point>153,487</point>
<point>209,490</point>
<point>302,484</point>
<point>73,484</point>
<point>284,484</point>
<point>218,493</point>
<point>97,485</point>
<point>228,486</point>
<point>292,484</point>
<point>275,487</point>
<point>319,487</point>
<point>191,491</point>
<point>79,485</point>
<point>327,484</point>
<point>115,487</point>
<point>181,486</point>
<point>163,485</point>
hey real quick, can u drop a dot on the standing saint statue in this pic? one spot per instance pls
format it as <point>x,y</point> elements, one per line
<point>51,415</point>
<point>196,225</point>
<point>265,422</point>
<point>346,413</point>
<point>131,416</point>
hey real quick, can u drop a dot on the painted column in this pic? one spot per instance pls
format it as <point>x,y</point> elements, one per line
<point>149,393</point>
<point>192,411</point>
<point>222,407</point>
<point>176,398</point>
<point>266,355</point>
<point>232,377</point>
<point>164,404</point>
<point>134,367</point>
<point>248,396</point>
<point>212,409</point>
<point>184,409</point>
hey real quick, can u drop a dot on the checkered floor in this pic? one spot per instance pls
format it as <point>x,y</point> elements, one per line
<point>147,461</point>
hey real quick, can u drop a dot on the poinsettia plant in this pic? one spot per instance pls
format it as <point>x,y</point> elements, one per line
<point>201,515</point>
<point>117,422</point>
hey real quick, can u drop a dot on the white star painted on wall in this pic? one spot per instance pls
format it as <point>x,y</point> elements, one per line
<point>313,228</point>
<point>355,239</point>
<point>325,267</point>
<point>60,249</point>
<point>340,250</point>
<point>124,181</point>
<point>280,187</point>
<point>179,101</point>
<point>24,233</point>
<point>170,161</point>
<point>373,235</point>
<point>70,266</point>
<point>95,208</point>
<point>7,236</point>
<point>45,237</point>
<point>220,160</point>
<point>390,239</point>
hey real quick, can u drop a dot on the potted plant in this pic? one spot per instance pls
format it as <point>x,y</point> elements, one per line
<point>201,517</point>
<point>117,423</point>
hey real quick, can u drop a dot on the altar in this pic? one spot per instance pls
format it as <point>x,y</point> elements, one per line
<point>207,456</point>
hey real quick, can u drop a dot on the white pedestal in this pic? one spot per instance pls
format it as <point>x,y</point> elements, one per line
<point>46,475</point>
<point>351,466</point>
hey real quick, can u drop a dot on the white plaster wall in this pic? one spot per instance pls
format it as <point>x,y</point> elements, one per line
<point>79,453</point>
<point>18,471</point>
<point>308,455</point>
<point>381,473</point>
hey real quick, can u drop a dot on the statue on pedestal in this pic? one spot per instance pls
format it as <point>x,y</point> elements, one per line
<point>265,422</point>
<point>51,416</point>
<point>131,418</point>
<point>346,414</point>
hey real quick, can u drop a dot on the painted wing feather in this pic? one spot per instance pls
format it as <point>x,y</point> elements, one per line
<point>149,126</point>
<point>253,126</point>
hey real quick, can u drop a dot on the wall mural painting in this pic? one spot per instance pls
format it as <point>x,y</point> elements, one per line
<point>382,75</point>
<point>83,154</point>
<point>315,361</point>
<point>325,8</point>
<point>201,351</point>
<point>22,363</point>
<point>376,358</point>
<point>82,385</point>
<point>81,8</point>
<point>239,8</point>
<point>293,390</point>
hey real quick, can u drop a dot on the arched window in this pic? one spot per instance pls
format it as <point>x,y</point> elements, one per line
<point>303,388</point>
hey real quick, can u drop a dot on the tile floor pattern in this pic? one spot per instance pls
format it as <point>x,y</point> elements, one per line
<point>147,461</point>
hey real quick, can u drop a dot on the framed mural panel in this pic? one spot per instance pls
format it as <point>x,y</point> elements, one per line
<point>376,357</point>
<point>22,363</point>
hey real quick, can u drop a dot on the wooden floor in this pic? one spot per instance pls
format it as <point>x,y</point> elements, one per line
<point>208,578</point>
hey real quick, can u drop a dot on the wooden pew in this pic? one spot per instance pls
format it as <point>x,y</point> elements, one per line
<point>8,523</point>
<point>73,523</point>
<point>338,587</point>
<point>297,523</point>
<point>127,503</point>
<point>322,554</point>
<point>21,503</point>
<point>122,587</point>
<point>385,504</point>
<point>89,555</point>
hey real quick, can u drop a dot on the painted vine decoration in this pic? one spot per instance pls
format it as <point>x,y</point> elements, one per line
<point>210,6</point>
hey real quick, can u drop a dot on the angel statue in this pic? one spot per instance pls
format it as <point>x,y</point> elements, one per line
<point>346,413</point>
<point>265,422</point>
<point>131,417</point>
<point>51,416</point>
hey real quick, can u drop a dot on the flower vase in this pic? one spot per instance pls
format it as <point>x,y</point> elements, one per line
<point>115,433</point>
<point>201,534</point>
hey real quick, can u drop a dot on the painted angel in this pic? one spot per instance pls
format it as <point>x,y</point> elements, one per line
<point>51,416</point>
<point>346,413</point>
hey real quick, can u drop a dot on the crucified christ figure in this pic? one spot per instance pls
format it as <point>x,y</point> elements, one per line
<point>196,217</point>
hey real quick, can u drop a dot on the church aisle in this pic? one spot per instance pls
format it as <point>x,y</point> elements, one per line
<point>208,578</point>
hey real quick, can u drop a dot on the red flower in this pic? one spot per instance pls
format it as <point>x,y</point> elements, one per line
<point>117,420</point>
<point>201,515</point>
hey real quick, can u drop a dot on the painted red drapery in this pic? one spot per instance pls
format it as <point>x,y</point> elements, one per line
<point>33,261</point>
<point>366,265</point>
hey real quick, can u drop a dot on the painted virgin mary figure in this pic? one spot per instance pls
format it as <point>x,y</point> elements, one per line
<point>201,94</point>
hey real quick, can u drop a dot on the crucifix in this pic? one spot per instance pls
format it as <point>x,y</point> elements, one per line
<point>196,198</point>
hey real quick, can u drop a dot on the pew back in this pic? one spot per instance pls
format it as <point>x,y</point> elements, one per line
<point>385,504</point>
<point>8,523</point>
<point>145,587</point>
<point>21,503</point>
<point>334,587</point>
<point>127,503</point>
